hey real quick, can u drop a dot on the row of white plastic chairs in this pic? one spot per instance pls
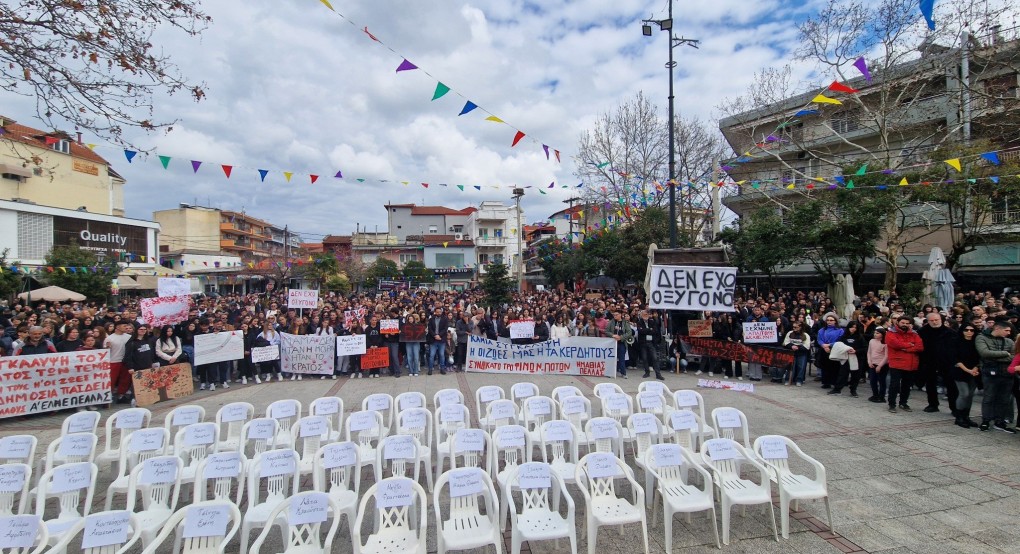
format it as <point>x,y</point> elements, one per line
<point>207,526</point>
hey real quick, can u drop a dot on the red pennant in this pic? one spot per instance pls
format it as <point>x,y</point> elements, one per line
<point>557,152</point>
<point>836,86</point>
<point>370,35</point>
<point>227,169</point>
<point>517,138</point>
<point>314,178</point>
<point>426,185</point>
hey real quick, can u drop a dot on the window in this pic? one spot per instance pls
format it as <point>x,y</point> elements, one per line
<point>498,259</point>
<point>449,259</point>
<point>404,258</point>
<point>483,233</point>
<point>433,229</point>
<point>62,145</point>
<point>845,122</point>
<point>483,259</point>
<point>793,132</point>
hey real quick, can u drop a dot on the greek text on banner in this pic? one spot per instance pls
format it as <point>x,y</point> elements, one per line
<point>692,288</point>
<point>570,356</point>
<point>307,354</point>
<point>46,382</point>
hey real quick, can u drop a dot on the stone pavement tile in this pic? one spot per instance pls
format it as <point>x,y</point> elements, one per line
<point>848,511</point>
<point>970,492</point>
<point>867,536</point>
<point>864,487</point>
<point>998,489</point>
<point>962,544</point>
<point>896,550</point>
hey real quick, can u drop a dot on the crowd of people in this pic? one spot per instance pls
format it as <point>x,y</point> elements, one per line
<point>950,352</point>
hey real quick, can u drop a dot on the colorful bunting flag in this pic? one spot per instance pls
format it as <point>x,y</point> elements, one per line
<point>802,113</point>
<point>862,65</point>
<point>494,119</point>
<point>836,86</point>
<point>517,138</point>
<point>954,163</point>
<point>227,169</point>
<point>370,35</point>
<point>823,99</point>
<point>313,178</point>
<point>903,182</point>
<point>339,175</point>
<point>927,7</point>
<point>468,106</point>
<point>546,149</point>
<point>992,157</point>
<point>195,164</point>
<point>327,4</point>
<point>262,174</point>
<point>165,160</point>
<point>130,155</point>
<point>287,175</point>
<point>406,66</point>
<point>440,92</point>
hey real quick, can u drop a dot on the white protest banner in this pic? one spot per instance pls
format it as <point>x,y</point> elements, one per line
<point>351,345</point>
<point>758,332</point>
<point>570,356</point>
<point>692,288</point>
<point>165,310</point>
<point>303,299</point>
<point>307,354</point>
<point>265,353</point>
<point>728,385</point>
<point>173,286</point>
<point>522,329</point>
<point>40,383</point>
<point>219,347</point>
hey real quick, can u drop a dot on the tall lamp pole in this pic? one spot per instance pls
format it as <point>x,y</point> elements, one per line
<point>518,193</point>
<point>646,30</point>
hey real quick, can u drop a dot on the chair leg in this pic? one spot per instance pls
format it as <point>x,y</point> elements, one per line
<point>504,512</point>
<point>593,533</point>
<point>644,532</point>
<point>772,514</point>
<point>725,523</point>
<point>245,531</point>
<point>573,543</point>
<point>784,513</point>
<point>667,522</point>
<point>515,544</point>
<point>828,512</point>
<point>715,528</point>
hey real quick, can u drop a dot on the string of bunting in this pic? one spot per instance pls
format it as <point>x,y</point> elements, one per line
<point>442,89</point>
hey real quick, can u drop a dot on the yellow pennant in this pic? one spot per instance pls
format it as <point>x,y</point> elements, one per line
<point>823,99</point>
<point>445,244</point>
<point>903,182</point>
<point>287,175</point>
<point>91,146</point>
<point>327,4</point>
<point>791,186</point>
<point>954,163</point>
<point>494,119</point>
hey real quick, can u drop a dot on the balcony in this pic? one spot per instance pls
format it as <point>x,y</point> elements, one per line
<point>1005,217</point>
<point>234,228</point>
<point>497,242</point>
<point>493,215</point>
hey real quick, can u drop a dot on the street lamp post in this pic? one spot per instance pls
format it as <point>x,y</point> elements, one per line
<point>518,193</point>
<point>646,30</point>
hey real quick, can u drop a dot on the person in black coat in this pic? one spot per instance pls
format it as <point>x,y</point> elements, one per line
<point>965,373</point>
<point>649,336</point>
<point>435,338</point>
<point>373,339</point>
<point>937,360</point>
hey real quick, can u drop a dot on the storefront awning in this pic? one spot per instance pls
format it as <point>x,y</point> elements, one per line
<point>15,170</point>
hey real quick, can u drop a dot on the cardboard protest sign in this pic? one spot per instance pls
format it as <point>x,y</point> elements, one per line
<point>46,382</point>
<point>352,317</point>
<point>692,288</point>
<point>162,383</point>
<point>389,326</point>
<point>307,354</point>
<point>569,356</point>
<point>375,358</point>
<point>219,347</point>
<point>412,332</point>
<point>165,310</point>
<point>761,332</point>
<point>261,354</point>
<point>303,299</point>
<point>699,328</point>
<point>350,345</point>
<point>173,286</point>
<point>522,329</point>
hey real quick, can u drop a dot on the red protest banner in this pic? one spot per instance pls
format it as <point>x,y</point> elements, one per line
<point>735,351</point>
<point>374,358</point>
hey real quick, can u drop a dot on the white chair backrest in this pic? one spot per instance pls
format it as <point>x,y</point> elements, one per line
<point>366,428</point>
<point>119,426</point>
<point>158,480</point>
<point>408,400</point>
<point>689,400</point>
<point>225,472</point>
<point>196,442</point>
<point>684,426</point>
<point>604,434</point>
<point>18,449</point>
<point>646,430</point>
<point>501,412</point>
<point>520,391</point>
<point>449,418</point>
<point>563,391</point>
<point>485,395</point>
<point>511,447</point>
<point>259,435</point>
<point>336,465</point>
<point>605,389</point>
<point>395,500</point>
<point>25,534</point>
<point>416,422</point>
<point>331,408</point>
<point>302,517</point>
<point>80,422</point>
<point>79,447</point>
<point>103,532</point>
<point>651,402</point>
<point>15,481</point>
<point>541,489</point>
<point>231,419</point>
<point>672,464</point>
<point>220,520</point>
<point>397,456</point>
<point>470,489</point>
<point>576,410</point>
<point>277,473</point>
<point>310,433</point>
<point>559,440</point>
<point>382,403</point>
<point>537,410</point>
<point>724,456</point>
<point>142,445</point>
<point>776,450</point>
<point>471,447</point>
<point>657,387</point>
<point>618,406</point>
<point>444,397</point>
<point>73,485</point>
<point>286,412</point>
<point>596,475</point>
<point>731,423</point>
<point>182,416</point>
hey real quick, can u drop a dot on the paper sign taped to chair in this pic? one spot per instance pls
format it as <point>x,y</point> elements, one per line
<point>223,465</point>
<point>510,437</point>
<point>206,521</point>
<point>774,448</point>
<point>106,529</point>
<point>565,393</point>
<point>666,455</point>
<point>19,531</point>
<point>453,413</point>
<point>644,423</point>
<point>12,478</point>
<point>650,400</point>
<point>261,429</point>
<point>684,419</point>
<point>469,440</point>
<point>278,462</point>
<point>130,419</point>
<point>728,419</point>
<point>685,398</point>
<point>603,465</point>
<point>186,415</point>
<point>234,412</point>
<point>361,421</point>
<point>79,445</point>
<point>200,434</point>
<point>156,471</point>
<point>399,447</point>
<point>558,431</point>
<point>604,429</point>
<point>339,455</point>
<point>308,508</point>
<point>82,422</point>
<point>394,493</point>
<point>539,406</point>
<point>466,481</point>
<point>327,406</point>
<point>71,477</point>
<point>415,418</point>
<point>15,448</point>
<point>617,401</point>
<point>410,401</point>
<point>284,410</point>
<point>377,402</point>
<point>448,396</point>
<point>523,390</point>
<point>489,394</point>
<point>314,427</point>
<point>534,476</point>
<point>722,449</point>
<point>502,410</point>
<point>572,405</point>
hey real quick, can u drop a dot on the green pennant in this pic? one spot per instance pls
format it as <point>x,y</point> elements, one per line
<point>602,165</point>
<point>542,191</point>
<point>165,160</point>
<point>441,91</point>
<point>850,184</point>
<point>461,187</point>
<point>863,170</point>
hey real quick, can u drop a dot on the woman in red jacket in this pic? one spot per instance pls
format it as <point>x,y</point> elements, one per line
<point>903,346</point>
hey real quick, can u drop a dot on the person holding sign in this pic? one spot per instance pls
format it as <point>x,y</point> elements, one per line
<point>373,339</point>
<point>268,337</point>
<point>754,368</point>
<point>621,332</point>
<point>649,335</point>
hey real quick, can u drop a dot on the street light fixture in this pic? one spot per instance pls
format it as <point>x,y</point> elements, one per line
<point>674,41</point>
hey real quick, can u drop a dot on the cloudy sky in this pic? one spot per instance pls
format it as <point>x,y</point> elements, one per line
<point>294,87</point>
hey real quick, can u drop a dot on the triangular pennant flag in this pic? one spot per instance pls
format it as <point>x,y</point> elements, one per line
<point>313,178</point>
<point>542,191</point>
<point>823,99</point>
<point>862,170</point>
<point>426,185</point>
<point>339,175</point>
<point>461,187</point>
<point>195,164</point>
<point>557,153</point>
<point>287,175</point>
<point>406,66</point>
<point>836,86</point>
<point>927,7</point>
<point>327,4</point>
<point>602,165</point>
<point>445,244</point>
<point>850,184</point>
<point>903,182</point>
<point>130,155</point>
<point>440,92</point>
<point>546,149</point>
<point>477,187</point>
<point>494,119</point>
<point>370,35</point>
<point>552,184</point>
<point>360,180</point>
<point>517,138</point>
<point>862,65</point>
<point>143,258</point>
<point>263,173</point>
<point>165,160</point>
<point>91,145</point>
<point>991,157</point>
<point>468,106</point>
<point>954,163</point>
<point>994,179</point>
<point>251,265</point>
<point>227,169</point>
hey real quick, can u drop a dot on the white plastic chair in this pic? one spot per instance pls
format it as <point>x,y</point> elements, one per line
<point>728,422</point>
<point>448,419</point>
<point>536,411</point>
<point>670,465</point>
<point>395,500</point>
<point>259,435</point>
<point>106,542</point>
<point>603,390</point>
<point>182,416</point>
<point>80,422</point>
<point>158,480</point>
<point>311,433</point>
<point>521,391</point>
<point>442,397</point>
<point>651,402</point>
<point>141,445</point>
<point>604,434</point>
<point>73,485</point>
<point>18,449</point>
<point>118,427</point>
<point>382,403</point>
<point>511,447</point>
<point>619,407</point>
<point>231,419</point>
<point>68,449</point>
<point>408,400</point>
<point>657,387</point>
<point>331,408</point>
<point>212,539</point>
<point>32,540</point>
<point>539,518</point>
<point>302,530</point>
<point>558,440</point>
<point>647,432</point>
<point>15,480</point>
<point>366,429</point>
<point>226,472</point>
<point>682,429</point>
<point>726,457</point>
<point>470,448</point>
<point>193,444</point>
<point>398,456</point>
<point>498,413</point>
<point>417,422</point>
<point>774,451</point>
<point>276,472</point>
<point>576,410</point>
<point>462,525</point>
<point>692,400</point>
<point>596,476</point>
<point>484,396</point>
<point>336,466</point>
<point>286,412</point>
<point>563,391</point>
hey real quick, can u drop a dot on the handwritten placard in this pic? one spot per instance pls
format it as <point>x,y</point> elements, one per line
<point>303,299</point>
<point>361,421</point>
<point>409,401</point>
<point>17,447</point>
<point>311,507</point>
<point>722,449</point>
<point>200,434</point>
<point>502,409</point>
<point>644,423</point>
<point>146,440</point>
<point>523,390</point>
<point>71,477</point>
<point>283,410</point>
<point>19,531</point>
<point>557,430</point>
<point>467,481</point>
<point>666,455</point>
<point>414,418</point>
<point>13,477</point>
<point>449,396</point>
<point>78,446</point>
<point>469,440</point>
<point>378,402</point>
<point>603,465</point>
<point>307,354</point>
<point>394,493</point>
<point>683,419</point>
<point>539,406</point>
<point>533,475</point>
<point>313,426</point>
<point>223,465</point>
<point>219,347</point>
<point>618,402</point>
<point>106,529</point>
<point>339,454</point>
<point>82,422</point>
<point>350,345</point>
<point>522,329</point>
<point>261,354</point>
<point>261,429</point>
<point>685,398</point>
<point>173,286</point>
<point>234,412</point>
<point>278,462</point>
<point>206,521</point>
<point>650,400</point>
<point>603,428</point>
<point>326,406</point>
<point>489,394</point>
<point>389,326</point>
<point>774,448</point>
<point>453,413</point>
<point>511,436</point>
<point>728,419</point>
<point>130,419</point>
<point>156,471</point>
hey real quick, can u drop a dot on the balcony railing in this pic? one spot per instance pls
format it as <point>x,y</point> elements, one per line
<point>1006,216</point>
<point>490,241</point>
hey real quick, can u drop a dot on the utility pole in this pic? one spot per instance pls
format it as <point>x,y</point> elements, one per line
<point>518,193</point>
<point>570,218</point>
<point>965,84</point>
<point>716,200</point>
